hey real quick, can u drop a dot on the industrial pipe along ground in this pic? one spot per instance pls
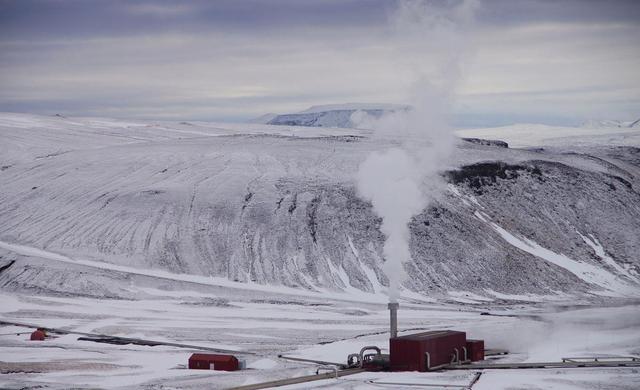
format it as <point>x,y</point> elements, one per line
<point>125,340</point>
<point>299,379</point>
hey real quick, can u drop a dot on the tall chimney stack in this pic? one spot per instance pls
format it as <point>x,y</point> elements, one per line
<point>393,319</point>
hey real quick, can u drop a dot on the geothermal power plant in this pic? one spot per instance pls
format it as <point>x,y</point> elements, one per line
<point>428,351</point>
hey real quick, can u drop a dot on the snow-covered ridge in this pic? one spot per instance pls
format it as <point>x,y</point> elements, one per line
<point>28,136</point>
<point>276,205</point>
<point>534,135</point>
<point>593,123</point>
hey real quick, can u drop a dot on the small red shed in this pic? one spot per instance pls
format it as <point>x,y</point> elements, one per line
<point>210,361</point>
<point>38,335</point>
<point>475,350</point>
<point>422,351</point>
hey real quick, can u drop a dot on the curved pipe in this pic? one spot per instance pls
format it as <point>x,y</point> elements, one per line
<point>368,348</point>
<point>353,360</point>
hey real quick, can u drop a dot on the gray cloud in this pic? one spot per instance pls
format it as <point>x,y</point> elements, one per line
<point>553,61</point>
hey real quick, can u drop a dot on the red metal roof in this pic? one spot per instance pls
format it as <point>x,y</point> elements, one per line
<point>433,334</point>
<point>211,361</point>
<point>213,357</point>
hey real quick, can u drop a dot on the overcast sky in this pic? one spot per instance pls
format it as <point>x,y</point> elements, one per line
<point>556,62</point>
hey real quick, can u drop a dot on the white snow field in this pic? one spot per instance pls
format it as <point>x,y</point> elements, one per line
<point>535,135</point>
<point>320,328</point>
<point>252,237</point>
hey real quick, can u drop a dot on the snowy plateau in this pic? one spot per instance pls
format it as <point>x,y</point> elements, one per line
<point>252,237</point>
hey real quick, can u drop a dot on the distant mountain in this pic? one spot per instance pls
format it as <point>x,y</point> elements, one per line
<point>333,115</point>
<point>354,107</point>
<point>608,123</point>
<point>263,119</point>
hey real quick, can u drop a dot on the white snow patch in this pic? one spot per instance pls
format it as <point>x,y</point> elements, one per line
<point>587,272</point>
<point>457,193</point>
<point>516,297</point>
<point>368,271</point>
<point>262,364</point>
<point>597,247</point>
<point>468,297</point>
<point>350,293</point>
<point>481,216</point>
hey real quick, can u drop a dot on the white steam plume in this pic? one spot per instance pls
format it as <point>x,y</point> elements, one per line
<point>401,181</point>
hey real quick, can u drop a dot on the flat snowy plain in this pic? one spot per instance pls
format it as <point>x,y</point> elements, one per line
<point>270,324</point>
<point>270,319</point>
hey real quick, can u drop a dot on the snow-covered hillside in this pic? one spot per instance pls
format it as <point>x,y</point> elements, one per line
<point>276,205</point>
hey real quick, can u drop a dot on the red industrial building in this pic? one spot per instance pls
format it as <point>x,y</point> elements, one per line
<point>209,361</point>
<point>424,351</point>
<point>475,350</point>
<point>38,335</point>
